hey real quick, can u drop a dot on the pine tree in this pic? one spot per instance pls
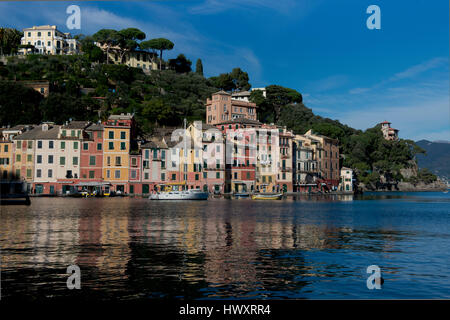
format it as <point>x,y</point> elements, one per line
<point>199,67</point>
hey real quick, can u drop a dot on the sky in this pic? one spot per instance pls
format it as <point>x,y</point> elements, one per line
<point>321,48</point>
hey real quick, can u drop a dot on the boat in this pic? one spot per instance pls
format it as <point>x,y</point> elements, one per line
<point>192,194</point>
<point>269,196</point>
<point>242,195</point>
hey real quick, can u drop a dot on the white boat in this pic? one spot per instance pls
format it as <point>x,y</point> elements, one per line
<point>192,194</point>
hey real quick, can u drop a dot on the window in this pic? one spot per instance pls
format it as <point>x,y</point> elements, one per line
<point>108,174</point>
<point>146,176</point>
<point>155,154</point>
<point>197,177</point>
<point>75,161</point>
<point>123,135</point>
<point>38,158</point>
<point>111,134</point>
<point>92,160</point>
<point>122,146</point>
<point>6,148</point>
<point>38,173</point>
<point>39,145</point>
<point>63,145</point>
<point>134,162</point>
<point>163,176</point>
<point>117,174</point>
<point>48,33</point>
<point>118,161</point>
<point>248,175</point>
<point>133,174</point>
<point>99,134</point>
<point>18,158</point>
<point>62,160</point>
<point>50,144</point>
<point>75,145</point>
<point>217,175</point>
<point>205,175</point>
<point>28,173</point>
<point>30,144</point>
<point>235,175</point>
<point>29,34</point>
<point>111,146</point>
<point>39,34</point>
<point>146,154</point>
<point>174,177</point>
<point>29,158</point>
<point>108,161</point>
<point>163,154</point>
<point>64,133</point>
<point>72,133</point>
<point>50,173</point>
<point>99,146</point>
<point>91,174</point>
<point>85,146</point>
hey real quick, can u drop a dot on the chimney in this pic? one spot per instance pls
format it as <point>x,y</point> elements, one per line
<point>45,127</point>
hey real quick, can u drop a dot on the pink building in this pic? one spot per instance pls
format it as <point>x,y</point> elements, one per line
<point>92,154</point>
<point>222,107</point>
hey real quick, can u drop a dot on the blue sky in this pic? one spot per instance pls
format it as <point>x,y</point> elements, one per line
<point>321,48</point>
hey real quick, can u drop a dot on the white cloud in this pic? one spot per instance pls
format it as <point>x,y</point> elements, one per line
<point>216,6</point>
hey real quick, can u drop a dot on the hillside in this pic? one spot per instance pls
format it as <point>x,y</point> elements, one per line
<point>436,159</point>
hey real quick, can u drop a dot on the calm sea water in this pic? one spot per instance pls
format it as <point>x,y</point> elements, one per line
<point>316,248</point>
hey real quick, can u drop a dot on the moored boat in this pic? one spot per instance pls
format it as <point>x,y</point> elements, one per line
<point>262,196</point>
<point>242,195</point>
<point>193,194</point>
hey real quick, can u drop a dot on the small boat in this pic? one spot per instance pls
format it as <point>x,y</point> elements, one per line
<point>192,194</point>
<point>269,196</point>
<point>241,195</point>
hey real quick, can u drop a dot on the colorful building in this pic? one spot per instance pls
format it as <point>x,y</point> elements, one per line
<point>118,136</point>
<point>222,107</point>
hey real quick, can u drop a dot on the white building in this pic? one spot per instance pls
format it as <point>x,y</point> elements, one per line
<point>346,183</point>
<point>48,40</point>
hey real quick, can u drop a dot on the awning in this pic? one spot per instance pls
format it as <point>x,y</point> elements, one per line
<point>92,184</point>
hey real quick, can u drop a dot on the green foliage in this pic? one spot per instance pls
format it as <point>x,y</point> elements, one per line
<point>180,64</point>
<point>158,44</point>
<point>18,104</point>
<point>236,80</point>
<point>199,67</point>
<point>9,40</point>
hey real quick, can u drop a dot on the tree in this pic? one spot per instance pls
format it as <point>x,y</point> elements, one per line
<point>199,67</point>
<point>240,79</point>
<point>278,97</point>
<point>159,44</point>
<point>108,38</point>
<point>90,50</point>
<point>223,82</point>
<point>181,64</point>
<point>127,40</point>
<point>23,101</point>
<point>9,40</point>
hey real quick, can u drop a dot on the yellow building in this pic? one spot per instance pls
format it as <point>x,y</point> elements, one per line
<point>118,131</point>
<point>6,159</point>
<point>136,59</point>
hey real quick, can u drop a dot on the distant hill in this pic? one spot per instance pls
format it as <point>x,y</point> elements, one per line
<point>437,158</point>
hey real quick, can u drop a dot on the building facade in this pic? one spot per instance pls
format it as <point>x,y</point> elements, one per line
<point>48,40</point>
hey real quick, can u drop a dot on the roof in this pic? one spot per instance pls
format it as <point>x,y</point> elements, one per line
<point>241,94</point>
<point>384,122</point>
<point>241,120</point>
<point>223,92</point>
<point>95,127</point>
<point>37,133</point>
<point>19,127</point>
<point>76,125</point>
<point>243,103</point>
<point>122,116</point>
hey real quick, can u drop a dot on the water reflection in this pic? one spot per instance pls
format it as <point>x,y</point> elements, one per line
<point>136,249</point>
